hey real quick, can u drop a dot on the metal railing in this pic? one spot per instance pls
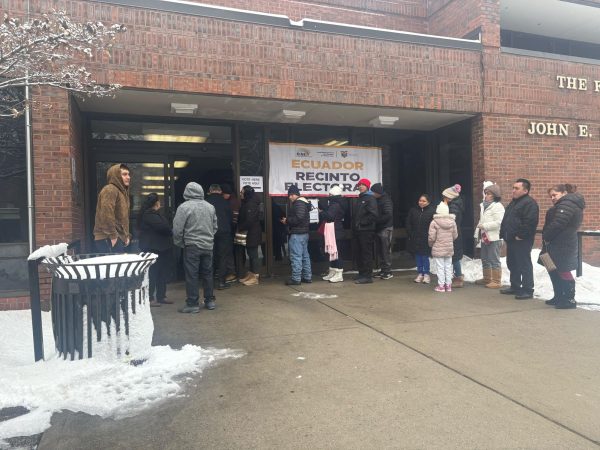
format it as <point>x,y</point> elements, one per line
<point>36,302</point>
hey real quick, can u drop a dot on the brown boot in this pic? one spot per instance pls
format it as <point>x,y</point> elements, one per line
<point>252,280</point>
<point>496,281</point>
<point>246,277</point>
<point>458,282</point>
<point>487,277</point>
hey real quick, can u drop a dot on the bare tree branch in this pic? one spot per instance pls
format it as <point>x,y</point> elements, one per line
<point>49,51</point>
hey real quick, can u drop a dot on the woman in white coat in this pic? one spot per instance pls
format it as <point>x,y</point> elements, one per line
<point>488,233</point>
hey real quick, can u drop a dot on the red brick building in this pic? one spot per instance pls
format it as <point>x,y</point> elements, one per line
<point>479,89</point>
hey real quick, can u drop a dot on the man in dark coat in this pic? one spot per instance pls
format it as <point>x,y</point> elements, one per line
<point>298,222</point>
<point>235,205</point>
<point>223,247</point>
<point>518,231</point>
<point>384,230</point>
<point>363,225</point>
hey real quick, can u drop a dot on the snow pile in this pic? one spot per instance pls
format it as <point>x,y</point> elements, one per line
<point>587,286</point>
<point>104,387</point>
<point>313,295</point>
<point>49,251</point>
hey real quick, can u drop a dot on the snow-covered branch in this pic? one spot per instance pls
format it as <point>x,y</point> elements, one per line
<point>49,51</point>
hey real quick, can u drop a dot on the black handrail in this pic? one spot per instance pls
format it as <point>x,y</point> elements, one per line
<point>36,303</point>
<point>580,235</point>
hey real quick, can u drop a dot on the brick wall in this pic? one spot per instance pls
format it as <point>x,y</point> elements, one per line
<point>409,15</point>
<point>456,18</point>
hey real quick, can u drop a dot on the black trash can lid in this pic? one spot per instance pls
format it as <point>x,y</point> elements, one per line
<point>87,267</point>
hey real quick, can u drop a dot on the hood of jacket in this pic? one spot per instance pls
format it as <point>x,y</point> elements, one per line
<point>445,221</point>
<point>575,198</point>
<point>302,199</point>
<point>193,191</point>
<point>113,176</point>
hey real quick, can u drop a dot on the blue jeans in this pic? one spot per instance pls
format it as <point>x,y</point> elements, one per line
<point>457,268</point>
<point>423,264</point>
<point>299,257</point>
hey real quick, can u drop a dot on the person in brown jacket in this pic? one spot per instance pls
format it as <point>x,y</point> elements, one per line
<point>111,227</point>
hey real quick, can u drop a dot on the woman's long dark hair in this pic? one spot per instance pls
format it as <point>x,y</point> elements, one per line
<point>149,202</point>
<point>568,188</point>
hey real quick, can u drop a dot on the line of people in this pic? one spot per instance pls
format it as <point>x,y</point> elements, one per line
<point>206,230</point>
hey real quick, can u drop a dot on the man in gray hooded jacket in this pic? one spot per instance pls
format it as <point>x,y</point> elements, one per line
<point>194,228</point>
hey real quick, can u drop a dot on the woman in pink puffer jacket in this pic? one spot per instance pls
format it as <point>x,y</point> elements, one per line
<point>442,233</point>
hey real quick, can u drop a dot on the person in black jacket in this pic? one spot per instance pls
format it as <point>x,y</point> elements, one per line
<point>155,237</point>
<point>560,241</point>
<point>417,228</point>
<point>223,245</point>
<point>457,207</point>
<point>363,225</point>
<point>334,212</point>
<point>518,231</point>
<point>298,222</point>
<point>249,223</point>
<point>384,230</point>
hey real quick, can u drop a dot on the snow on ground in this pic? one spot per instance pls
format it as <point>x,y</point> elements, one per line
<point>98,386</point>
<point>587,286</point>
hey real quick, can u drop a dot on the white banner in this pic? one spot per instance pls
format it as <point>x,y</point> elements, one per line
<point>315,168</point>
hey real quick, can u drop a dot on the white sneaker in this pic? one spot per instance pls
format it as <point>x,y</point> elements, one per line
<point>330,274</point>
<point>426,278</point>
<point>338,277</point>
<point>419,279</point>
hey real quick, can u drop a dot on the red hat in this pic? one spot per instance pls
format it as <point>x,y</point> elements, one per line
<point>364,181</point>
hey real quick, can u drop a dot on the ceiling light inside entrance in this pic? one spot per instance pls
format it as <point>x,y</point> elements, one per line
<point>153,137</point>
<point>291,116</point>
<point>383,121</point>
<point>184,108</point>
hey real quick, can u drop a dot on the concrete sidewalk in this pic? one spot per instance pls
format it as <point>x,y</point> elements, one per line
<point>387,365</point>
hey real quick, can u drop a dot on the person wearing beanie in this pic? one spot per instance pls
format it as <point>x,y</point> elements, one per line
<point>298,222</point>
<point>235,204</point>
<point>384,230</point>
<point>222,248</point>
<point>363,226</point>
<point>457,207</point>
<point>333,214</point>
<point>248,226</point>
<point>442,233</point>
<point>487,234</point>
<point>518,231</point>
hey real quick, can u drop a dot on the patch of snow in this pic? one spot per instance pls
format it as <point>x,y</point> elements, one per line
<point>104,386</point>
<point>587,286</point>
<point>313,295</point>
<point>49,251</point>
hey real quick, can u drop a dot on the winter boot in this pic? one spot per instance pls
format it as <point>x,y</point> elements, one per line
<point>338,276</point>
<point>487,277</point>
<point>419,278</point>
<point>246,277</point>
<point>556,287</point>
<point>252,280</point>
<point>567,299</point>
<point>495,279</point>
<point>330,274</point>
<point>458,282</point>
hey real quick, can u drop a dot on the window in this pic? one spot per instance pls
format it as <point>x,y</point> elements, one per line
<point>14,246</point>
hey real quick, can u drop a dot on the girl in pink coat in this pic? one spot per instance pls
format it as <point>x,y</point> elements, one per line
<point>442,233</point>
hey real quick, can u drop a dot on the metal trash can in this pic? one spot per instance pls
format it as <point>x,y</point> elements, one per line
<point>95,300</point>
